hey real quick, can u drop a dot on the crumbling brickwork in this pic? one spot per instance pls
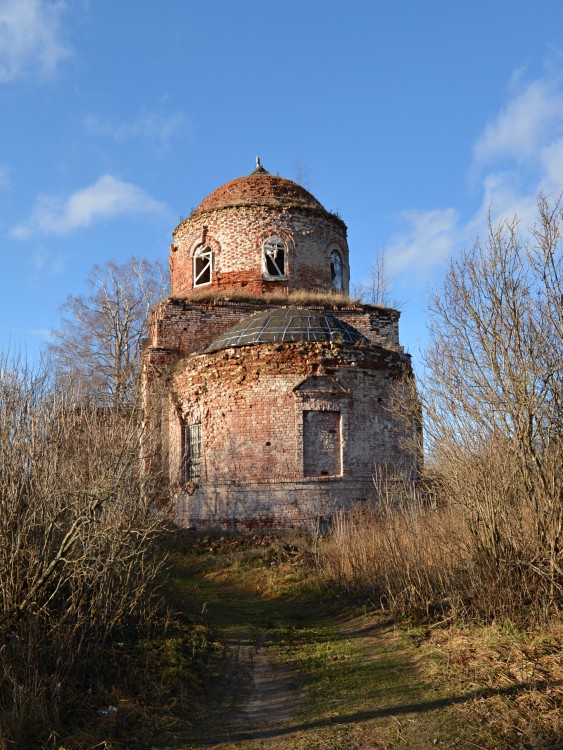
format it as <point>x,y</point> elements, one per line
<point>184,326</point>
<point>272,432</point>
<point>236,220</point>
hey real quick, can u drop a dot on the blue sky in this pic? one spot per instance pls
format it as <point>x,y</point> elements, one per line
<point>412,118</point>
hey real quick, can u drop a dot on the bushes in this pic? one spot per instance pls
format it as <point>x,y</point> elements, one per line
<point>492,396</point>
<point>76,540</point>
<point>428,563</point>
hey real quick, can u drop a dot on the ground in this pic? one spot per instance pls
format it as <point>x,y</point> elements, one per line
<point>303,673</point>
<point>256,654</point>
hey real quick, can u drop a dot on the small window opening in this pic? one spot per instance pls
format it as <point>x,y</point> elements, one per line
<point>203,261</point>
<point>193,452</point>
<point>274,258</point>
<point>336,270</point>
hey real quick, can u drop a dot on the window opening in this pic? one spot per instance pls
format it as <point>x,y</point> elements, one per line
<point>336,270</point>
<point>202,265</point>
<point>193,451</point>
<point>274,258</point>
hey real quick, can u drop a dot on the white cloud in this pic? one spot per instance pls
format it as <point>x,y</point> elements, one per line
<point>526,139</point>
<point>426,238</point>
<point>107,197</point>
<point>44,333</point>
<point>551,162</point>
<point>30,38</point>
<point>148,125</point>
<point>523,124</point>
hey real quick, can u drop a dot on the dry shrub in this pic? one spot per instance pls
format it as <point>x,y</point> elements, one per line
<point>435,561</point>
<point>399,553</point>
<point>493,414</point>
<point>514,533</point>
<point>493,403</point>
<point>77,526</point>
<point>332,300</point>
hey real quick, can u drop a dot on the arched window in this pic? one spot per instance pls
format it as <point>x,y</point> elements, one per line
<point>336,270</point>
<point>203,265</point>
<point>274,259</point>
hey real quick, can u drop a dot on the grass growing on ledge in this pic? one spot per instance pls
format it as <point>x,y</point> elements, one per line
<point>331,300</point>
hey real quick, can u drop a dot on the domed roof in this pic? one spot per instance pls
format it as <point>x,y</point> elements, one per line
<point>286,325</point>
<point>259,188</point>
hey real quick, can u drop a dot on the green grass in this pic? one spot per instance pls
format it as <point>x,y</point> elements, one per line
<point>356,675</point>
<point>363,681</point>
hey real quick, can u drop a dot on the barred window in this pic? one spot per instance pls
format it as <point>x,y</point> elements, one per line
<point>192,451</point>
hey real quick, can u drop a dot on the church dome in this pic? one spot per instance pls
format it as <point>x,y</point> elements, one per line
<point>286,325</point>
<point>260,233</point>
<point>260,188</point>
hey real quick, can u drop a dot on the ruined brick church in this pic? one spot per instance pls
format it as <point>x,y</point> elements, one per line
<point>267,389</point>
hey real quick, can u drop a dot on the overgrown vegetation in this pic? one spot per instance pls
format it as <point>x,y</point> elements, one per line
<point>492,547</point>
<point>328,300</point>
<point>77,557</point>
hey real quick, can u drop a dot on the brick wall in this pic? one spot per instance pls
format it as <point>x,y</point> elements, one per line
<point>187,327</point>
<point>254,404</point>
<point>303,504</point>
<point>236,235</point>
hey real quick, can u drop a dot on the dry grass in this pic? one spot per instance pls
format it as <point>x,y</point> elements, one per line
<point>514,680</point>
<point>77,533</point>
<point>403,559</point>
<point>329,300</point>
<point>428,563</point>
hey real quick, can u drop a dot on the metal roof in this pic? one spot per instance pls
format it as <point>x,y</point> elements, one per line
<point>286,325</point>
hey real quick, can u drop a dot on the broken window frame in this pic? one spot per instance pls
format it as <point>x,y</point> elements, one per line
<point>203,256</point>
<point>192,450</point>
<point>274,258</point>
<point>336,271</point>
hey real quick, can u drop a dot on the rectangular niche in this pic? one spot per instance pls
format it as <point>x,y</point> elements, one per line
<point>322,444</point>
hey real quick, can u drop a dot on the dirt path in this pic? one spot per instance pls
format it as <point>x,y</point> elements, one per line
<point>318,683</point>
<point>260,695</point>
<point>273,698</point>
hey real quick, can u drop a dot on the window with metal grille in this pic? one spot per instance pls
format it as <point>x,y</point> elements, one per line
<point>193,451</point>
<point>203,265</point>
<point>273,260</point>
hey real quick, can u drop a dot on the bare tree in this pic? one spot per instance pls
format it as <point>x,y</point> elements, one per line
<point>376,290</point>
<point>77,532</point>
<point>301,172</point>
<point>494,397</point>
<point>99,341</point>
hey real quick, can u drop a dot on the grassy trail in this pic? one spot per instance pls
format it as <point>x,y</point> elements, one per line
<point>298,673</point>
